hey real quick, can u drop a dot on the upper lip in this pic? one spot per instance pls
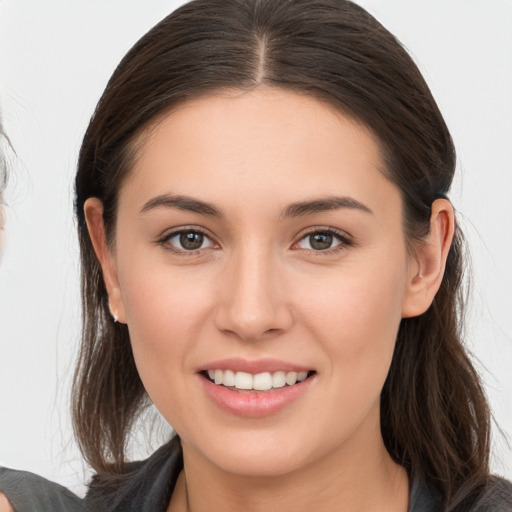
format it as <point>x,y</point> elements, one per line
<point>254,366</point>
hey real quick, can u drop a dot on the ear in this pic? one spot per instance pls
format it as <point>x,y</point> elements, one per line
<point>426,273</point>
<point>93,210</point>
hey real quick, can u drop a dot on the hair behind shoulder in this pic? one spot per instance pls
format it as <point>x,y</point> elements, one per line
<point>435,419</point>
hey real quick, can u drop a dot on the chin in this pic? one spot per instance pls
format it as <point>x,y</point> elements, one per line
<point>259,465</point>
<point>263,453</point>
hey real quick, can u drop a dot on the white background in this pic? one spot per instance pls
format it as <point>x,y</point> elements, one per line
<point>55,59</point>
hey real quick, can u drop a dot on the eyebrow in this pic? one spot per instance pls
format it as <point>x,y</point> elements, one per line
<point>180,202</point>
<point>323,204</point>
<point>298,209</point>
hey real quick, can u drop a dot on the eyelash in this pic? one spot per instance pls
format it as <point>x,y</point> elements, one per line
<point>344,241</point>
<point>164,241</point>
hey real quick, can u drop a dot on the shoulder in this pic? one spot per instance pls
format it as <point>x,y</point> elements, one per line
<point>27,491</point>
<point>495,497</point>
<point>144,486</point>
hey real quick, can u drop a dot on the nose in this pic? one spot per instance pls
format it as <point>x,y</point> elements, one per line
<point>252,301</point>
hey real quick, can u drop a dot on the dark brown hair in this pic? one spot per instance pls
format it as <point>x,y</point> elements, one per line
<point>435,419</point>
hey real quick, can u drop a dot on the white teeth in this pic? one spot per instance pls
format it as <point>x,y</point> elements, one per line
<point>291,378</point>
<point>259,382</point>
<point>219,376</point>
<point>229,378</point>
<point>279,379</point>
<point>242,380</point>
<point>262,381</point>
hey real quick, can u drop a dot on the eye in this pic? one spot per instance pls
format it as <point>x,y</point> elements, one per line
<point>322,241</point>
<point>187,241</point>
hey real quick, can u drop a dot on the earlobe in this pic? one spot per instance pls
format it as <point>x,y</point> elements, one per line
<point>427,274</point>
<point>93,210</point>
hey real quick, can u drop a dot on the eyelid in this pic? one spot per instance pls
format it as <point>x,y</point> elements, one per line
<point>163,239</point>
<point>345,239</point>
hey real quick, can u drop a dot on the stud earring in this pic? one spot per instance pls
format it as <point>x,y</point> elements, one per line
<point>114,314</point>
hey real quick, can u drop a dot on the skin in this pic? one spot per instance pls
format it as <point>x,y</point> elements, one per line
<point>257,288</point>
<point>5,506</point>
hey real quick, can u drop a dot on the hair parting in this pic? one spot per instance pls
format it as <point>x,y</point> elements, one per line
<point>434,415</point>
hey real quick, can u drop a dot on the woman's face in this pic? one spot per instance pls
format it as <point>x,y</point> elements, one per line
<point>258,243</point>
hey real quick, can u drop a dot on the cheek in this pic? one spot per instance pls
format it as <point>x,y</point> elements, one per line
<point>165,315</point>
<point>356,317</point>
<point>357,299</point>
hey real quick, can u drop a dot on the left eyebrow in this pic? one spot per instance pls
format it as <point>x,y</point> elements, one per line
<point>181,202</point>
<point>323,204</point>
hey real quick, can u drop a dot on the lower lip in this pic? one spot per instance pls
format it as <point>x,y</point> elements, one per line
<point>255,404</point>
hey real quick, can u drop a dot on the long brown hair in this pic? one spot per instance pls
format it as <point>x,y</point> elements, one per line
<point>435,419</point>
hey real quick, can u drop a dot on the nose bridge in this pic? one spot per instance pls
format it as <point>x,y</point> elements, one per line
<point>253,302</point>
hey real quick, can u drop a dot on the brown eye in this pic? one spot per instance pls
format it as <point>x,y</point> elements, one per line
<point>320,241</point>
<point>191,241</point>
<point>185,241</point>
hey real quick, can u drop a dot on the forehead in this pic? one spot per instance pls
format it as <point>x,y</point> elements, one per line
<point>267,143</point>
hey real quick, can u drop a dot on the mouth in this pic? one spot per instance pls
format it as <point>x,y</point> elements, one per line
<point>245,382</point>
<point>258,388</point>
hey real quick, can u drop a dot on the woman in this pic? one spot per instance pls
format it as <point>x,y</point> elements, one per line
<point>269,256</point>
<point>262,192</point>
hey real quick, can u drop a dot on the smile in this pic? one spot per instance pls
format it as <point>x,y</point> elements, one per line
<point>255,389</point>
<point>264,381</point>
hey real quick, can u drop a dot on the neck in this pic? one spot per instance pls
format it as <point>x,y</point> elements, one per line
<point>356,479</point>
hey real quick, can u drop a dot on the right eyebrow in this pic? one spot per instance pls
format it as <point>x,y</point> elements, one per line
<point>324,204</point>
<point>181,202</point>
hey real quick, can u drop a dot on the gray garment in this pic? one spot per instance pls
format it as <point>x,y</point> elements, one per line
<point>31,493</point>
<point>148,485</point>
<point>495,497</point>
